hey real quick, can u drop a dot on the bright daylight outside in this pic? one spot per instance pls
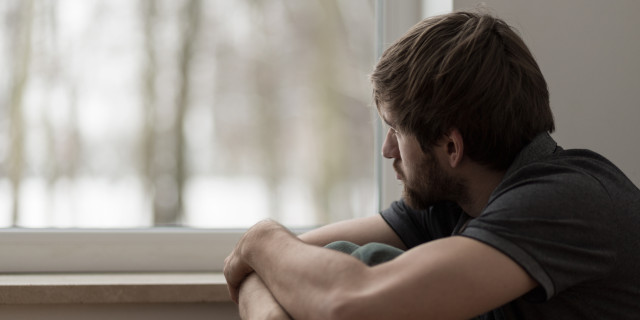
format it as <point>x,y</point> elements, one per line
<point>212,114</point>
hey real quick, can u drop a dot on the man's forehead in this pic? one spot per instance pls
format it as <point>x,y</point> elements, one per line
<point>385,114</point>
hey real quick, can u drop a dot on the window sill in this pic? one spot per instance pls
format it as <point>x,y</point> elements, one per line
<point>113,288</point>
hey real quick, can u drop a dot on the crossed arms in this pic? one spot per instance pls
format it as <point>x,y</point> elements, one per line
<point>451,278</point>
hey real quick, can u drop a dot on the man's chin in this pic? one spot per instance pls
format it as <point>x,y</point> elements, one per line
<point>415,201</point>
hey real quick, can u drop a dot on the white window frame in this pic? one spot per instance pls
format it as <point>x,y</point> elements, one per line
<point>175,249</point>
<point>109,250</point>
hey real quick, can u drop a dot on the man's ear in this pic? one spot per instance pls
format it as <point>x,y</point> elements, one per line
<point>454,147</point>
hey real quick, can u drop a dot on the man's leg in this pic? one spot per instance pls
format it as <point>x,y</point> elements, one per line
<point>371,253</point>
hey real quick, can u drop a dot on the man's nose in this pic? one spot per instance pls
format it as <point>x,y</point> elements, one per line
<point>390,146</point>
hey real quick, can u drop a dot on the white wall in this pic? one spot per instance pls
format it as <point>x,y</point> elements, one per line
<point>589,52</point>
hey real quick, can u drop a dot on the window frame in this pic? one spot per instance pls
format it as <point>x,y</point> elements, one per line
<point>109,250</point>
<point>176,249</point>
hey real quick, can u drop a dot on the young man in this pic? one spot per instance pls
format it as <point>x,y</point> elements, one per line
<point>497,221</point>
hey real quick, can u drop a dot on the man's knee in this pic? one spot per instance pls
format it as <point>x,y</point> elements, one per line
<point>376,253</point>
<point>343,246</point>
<point>371,253</point>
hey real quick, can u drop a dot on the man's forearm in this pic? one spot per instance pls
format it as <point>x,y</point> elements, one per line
<point>289,267</point>
<point>257,302</point>
<point>360,231</point>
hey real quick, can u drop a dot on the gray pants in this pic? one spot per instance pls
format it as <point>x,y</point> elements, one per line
<point>371,253</point>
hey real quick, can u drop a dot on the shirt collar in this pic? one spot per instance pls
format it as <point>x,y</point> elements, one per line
<point>541,146</point>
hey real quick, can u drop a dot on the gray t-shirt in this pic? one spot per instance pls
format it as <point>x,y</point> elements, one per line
<point>570,218</point>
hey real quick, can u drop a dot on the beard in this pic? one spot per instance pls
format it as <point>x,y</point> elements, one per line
<point>430,184</point>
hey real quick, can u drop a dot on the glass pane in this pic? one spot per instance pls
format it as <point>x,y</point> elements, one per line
<point>120,114</point>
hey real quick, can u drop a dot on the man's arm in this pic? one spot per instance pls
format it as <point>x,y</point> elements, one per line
<point>256,301</point>
<point>451,278</point>
<point>359,231</point>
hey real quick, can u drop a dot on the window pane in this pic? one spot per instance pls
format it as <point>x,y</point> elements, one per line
<point>191,113</point>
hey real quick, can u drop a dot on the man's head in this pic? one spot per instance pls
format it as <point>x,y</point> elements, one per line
<point>425,179</point>
<point>469,72</point>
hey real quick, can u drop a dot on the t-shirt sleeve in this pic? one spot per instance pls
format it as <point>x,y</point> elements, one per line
<point>556,226</point>
<point>415,227</point>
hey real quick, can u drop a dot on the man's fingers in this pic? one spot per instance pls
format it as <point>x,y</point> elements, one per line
<point>233,293</point>
<point>235,271</point>
<point>233,289</point>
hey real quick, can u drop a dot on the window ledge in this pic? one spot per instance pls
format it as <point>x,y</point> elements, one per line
<point>113,288</point>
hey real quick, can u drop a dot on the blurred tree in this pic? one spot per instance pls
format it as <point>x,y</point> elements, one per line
<point>330,120</point>
<point>21,55</point>
<point>149,13</point>
<point>189,26</point>
<point>47,29</point>
<point>264,82</point>
<point>62,142</point>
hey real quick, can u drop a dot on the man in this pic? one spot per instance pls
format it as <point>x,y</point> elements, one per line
<point>497,221</point>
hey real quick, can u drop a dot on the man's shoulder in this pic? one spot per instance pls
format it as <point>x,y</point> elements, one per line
<point>563,181</point>
<point>567,184</point>
<point>544,158</point>
<point>573,166</point>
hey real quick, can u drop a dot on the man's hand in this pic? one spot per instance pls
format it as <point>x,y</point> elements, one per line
<point>257,302</point>
<point>235,271</point>
<point>236,266</point>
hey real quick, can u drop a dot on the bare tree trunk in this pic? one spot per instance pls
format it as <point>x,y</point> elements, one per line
<point>19,77</point>
<point>73,151</point>
<point>62,150</point>
<point>148,142</point>
<point>269,117</point>
<point>334,161</point>
<point>268,132</point>
<point>190,21</point>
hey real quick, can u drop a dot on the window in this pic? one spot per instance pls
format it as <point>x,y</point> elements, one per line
<point>64,112</point>
<point>209,114</point>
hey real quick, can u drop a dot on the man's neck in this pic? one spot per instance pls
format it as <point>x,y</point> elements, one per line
<point>480,185</point>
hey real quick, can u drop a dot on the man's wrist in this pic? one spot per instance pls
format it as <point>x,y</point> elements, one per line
<point>260,235</point>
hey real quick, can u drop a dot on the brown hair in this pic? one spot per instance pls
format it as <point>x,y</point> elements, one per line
<point>467,71</point>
